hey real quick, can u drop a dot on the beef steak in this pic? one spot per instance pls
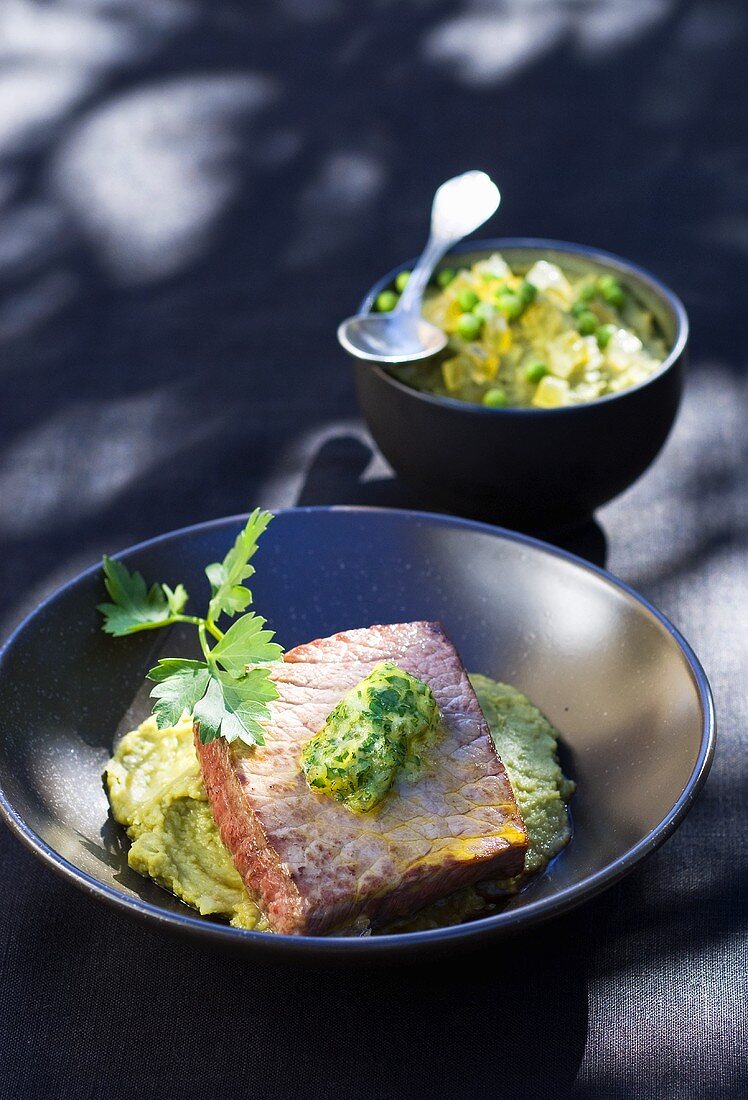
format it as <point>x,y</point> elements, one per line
<point>314,866</point>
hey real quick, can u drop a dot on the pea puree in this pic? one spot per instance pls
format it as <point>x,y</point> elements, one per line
<point>526,742</point>
<point>156,792</point>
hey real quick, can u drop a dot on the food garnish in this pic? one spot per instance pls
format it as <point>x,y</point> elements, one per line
<point>227,693</point>
<point>380,726</point>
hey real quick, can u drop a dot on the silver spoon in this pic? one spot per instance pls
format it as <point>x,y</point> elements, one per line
<point>403,336</point>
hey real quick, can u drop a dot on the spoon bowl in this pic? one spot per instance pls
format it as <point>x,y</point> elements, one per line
<point>460,206</point>
<point>373,336</point>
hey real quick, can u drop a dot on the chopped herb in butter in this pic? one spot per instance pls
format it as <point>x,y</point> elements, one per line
<point>379,727</point>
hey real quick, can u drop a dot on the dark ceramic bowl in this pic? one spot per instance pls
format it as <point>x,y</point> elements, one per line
<point>624,688</point>
<point>532,468</point>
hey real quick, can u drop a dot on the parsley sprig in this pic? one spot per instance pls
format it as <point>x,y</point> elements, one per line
<point>226,693</point>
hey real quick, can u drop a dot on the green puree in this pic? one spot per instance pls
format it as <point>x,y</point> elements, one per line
<point>156,792</point>
<point>526,742</point>
<point>381,726</point>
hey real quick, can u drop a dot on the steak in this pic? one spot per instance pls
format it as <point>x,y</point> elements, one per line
<point>311,864</point>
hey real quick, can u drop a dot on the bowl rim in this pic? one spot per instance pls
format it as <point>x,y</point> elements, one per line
<point>414,943</point>
<point>617,263</point>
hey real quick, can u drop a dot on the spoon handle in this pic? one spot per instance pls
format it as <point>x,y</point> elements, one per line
<point>460,205</point>
<point>410,299</point>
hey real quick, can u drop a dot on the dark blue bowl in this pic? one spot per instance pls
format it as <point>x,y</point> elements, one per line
<point>534,468</point>
<point>628,694</point>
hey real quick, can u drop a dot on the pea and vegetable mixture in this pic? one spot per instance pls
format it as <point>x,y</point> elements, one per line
<point>542,338</point>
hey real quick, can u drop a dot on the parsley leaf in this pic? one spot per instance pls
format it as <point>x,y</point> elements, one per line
<point>208,713</point>
<point>135,607</point>
<point>180,685</point>
<point>234,707</point>
<point>176,599</point>
<point>229,595</point>
<point>246,643</point>
<point>226,693</point>
<point>245,700</point>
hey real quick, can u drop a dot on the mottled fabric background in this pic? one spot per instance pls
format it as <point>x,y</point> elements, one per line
<point>192,194</point>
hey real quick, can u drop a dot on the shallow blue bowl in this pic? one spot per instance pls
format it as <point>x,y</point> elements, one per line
<point>624,688</point>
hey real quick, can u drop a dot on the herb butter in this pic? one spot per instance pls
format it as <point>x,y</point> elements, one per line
<point>381,726</point>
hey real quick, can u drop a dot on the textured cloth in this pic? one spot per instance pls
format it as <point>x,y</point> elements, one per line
<point>191,197</point>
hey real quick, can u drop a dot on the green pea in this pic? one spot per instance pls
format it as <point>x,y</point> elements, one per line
<point>386,301</point>
<point>401,281</point>
<point>535,370</point>
<point>467,299</point>
<point>469,326</point>
<point>587,323</point>
<point>528,292</point>
<point>510,305</point>
<point>579,307</point>
<point>445,276</point>
<point>611,290</point>
<point>485,311</point>
<point>586,293</point>
<point>604,334</point>
<point>494,399</point>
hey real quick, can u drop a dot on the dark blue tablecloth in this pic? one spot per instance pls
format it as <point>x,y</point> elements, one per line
<point>192,194</point>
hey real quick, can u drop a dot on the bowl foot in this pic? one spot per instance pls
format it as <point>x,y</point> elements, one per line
<point>335,477</point>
